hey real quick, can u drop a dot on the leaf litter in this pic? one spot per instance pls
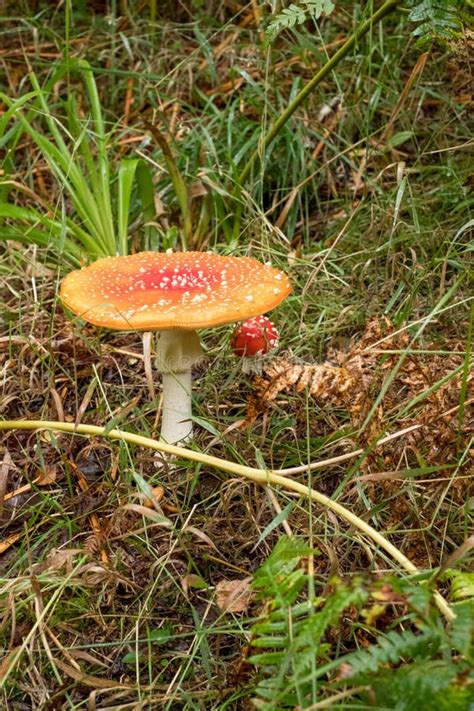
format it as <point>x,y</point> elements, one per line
<point>344,388</point>
<point>427,391</point>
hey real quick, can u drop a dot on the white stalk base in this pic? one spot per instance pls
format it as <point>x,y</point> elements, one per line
<point>177,425</point>
<point>177,352</point>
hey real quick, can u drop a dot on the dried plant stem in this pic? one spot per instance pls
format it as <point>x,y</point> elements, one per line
<point>260,476</point>
<point>147,336</point>
<point>323,463</point>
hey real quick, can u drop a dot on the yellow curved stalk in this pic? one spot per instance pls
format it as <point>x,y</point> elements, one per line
<point>260,476</point>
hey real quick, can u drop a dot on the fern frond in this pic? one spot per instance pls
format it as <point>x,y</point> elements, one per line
<point>435,19</point>
<point>393,648</point>
<point>423,666</point>
<point>279,578</point>
<point>428,685</point>
<point>462,631</point>
<point>462,583</point>
<point>290,637</point>
<point>298,14</point>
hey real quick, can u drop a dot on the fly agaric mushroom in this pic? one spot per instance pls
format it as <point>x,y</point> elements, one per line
<point>253,339</point>
<point>174,294</point>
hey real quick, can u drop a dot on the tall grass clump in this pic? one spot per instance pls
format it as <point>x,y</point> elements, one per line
<point>94,213</point>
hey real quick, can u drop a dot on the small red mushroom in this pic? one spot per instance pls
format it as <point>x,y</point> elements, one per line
<point>253,338</point>
<point>256,336</point>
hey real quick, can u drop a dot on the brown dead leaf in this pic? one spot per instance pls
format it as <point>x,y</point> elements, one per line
<point>85,656</point>
<point>5,467</point>
<point>333,385</point>
<point>353,378</point>
<point>234,595</point>
<point>201,535</point>
<point>57,559</point>
<point>7,661</point>
<point>154,516</point>
<point>46,476</point>
<point>198,189</point>
<point>94,575</point>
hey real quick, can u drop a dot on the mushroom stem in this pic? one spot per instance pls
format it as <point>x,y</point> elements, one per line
<point>253,365</point>
<point>177,352</point>
<point>176,423</point>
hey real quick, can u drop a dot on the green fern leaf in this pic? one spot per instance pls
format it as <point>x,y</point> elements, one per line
<point>293,637</point>
<point>279,578</point>
<point>462,583</point>
<point>393,648</point>
<point>462,631</point>
<point>424,666</point>
<point>298,14</point>
<point>427,685</point>
<point>316,8</point>
<point>435,19</point>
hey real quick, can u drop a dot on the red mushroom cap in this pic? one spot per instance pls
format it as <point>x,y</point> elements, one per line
<point>185,290</point>
<point>256,336</point>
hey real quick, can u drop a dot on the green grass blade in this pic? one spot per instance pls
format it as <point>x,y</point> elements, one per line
<point>94,206</point>
<point>67,250</point>
<point>55,227</point>
<point>82,143</point>
<point>146,193</point>
<point>101,139</point>
<point>126,177</point>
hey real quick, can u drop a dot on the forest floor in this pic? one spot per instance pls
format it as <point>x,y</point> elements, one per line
<point>113,601</point>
